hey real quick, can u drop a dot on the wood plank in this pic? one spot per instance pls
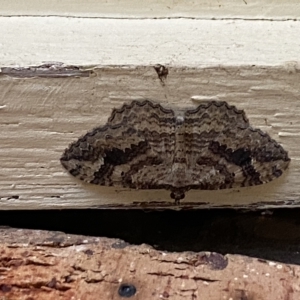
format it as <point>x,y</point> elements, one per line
<point>40,116</point>
<point>174,42</point>
<point>244,9</point>
<point>52,265</point>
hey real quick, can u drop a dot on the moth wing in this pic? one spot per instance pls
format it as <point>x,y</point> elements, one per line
<point>137,136</point>
<point>225,151</point>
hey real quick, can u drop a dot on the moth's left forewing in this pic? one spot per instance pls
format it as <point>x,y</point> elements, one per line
<point>136,135</point>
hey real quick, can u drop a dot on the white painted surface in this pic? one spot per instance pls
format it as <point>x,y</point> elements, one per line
<point>175,42</point>
<point>41,116</point>
<point>200,9</point>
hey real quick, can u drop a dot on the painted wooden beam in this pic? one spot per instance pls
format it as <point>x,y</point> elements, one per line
<point>135,9</point>
<point>124,42</point>
<point>42,115</point>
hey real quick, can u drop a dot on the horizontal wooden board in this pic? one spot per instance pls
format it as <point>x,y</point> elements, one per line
<point>177,42</point>
<point>254,9</point>
<point>41,115</point>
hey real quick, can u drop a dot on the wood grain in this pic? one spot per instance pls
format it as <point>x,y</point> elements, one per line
<point>124,42</point>
<point>40,116</point>
<point>259,9</point>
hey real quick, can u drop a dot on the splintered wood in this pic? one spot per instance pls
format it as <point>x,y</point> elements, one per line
<point>52,265</point>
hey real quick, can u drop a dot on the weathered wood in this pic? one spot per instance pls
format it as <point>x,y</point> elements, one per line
<point>41,115</point>
<point>262,9</point>
<point>124,42</point>
<point>52,265</point>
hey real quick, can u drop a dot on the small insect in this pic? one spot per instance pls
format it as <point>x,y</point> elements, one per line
<point>146,146</point>
<point>162,72</point>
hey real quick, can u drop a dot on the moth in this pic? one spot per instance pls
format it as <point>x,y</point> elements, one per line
<point>146,146</point>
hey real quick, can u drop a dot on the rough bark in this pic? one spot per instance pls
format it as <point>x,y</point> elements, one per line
<point>53,265</point>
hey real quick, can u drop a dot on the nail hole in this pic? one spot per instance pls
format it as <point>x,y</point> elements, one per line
<point>127,290</point>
